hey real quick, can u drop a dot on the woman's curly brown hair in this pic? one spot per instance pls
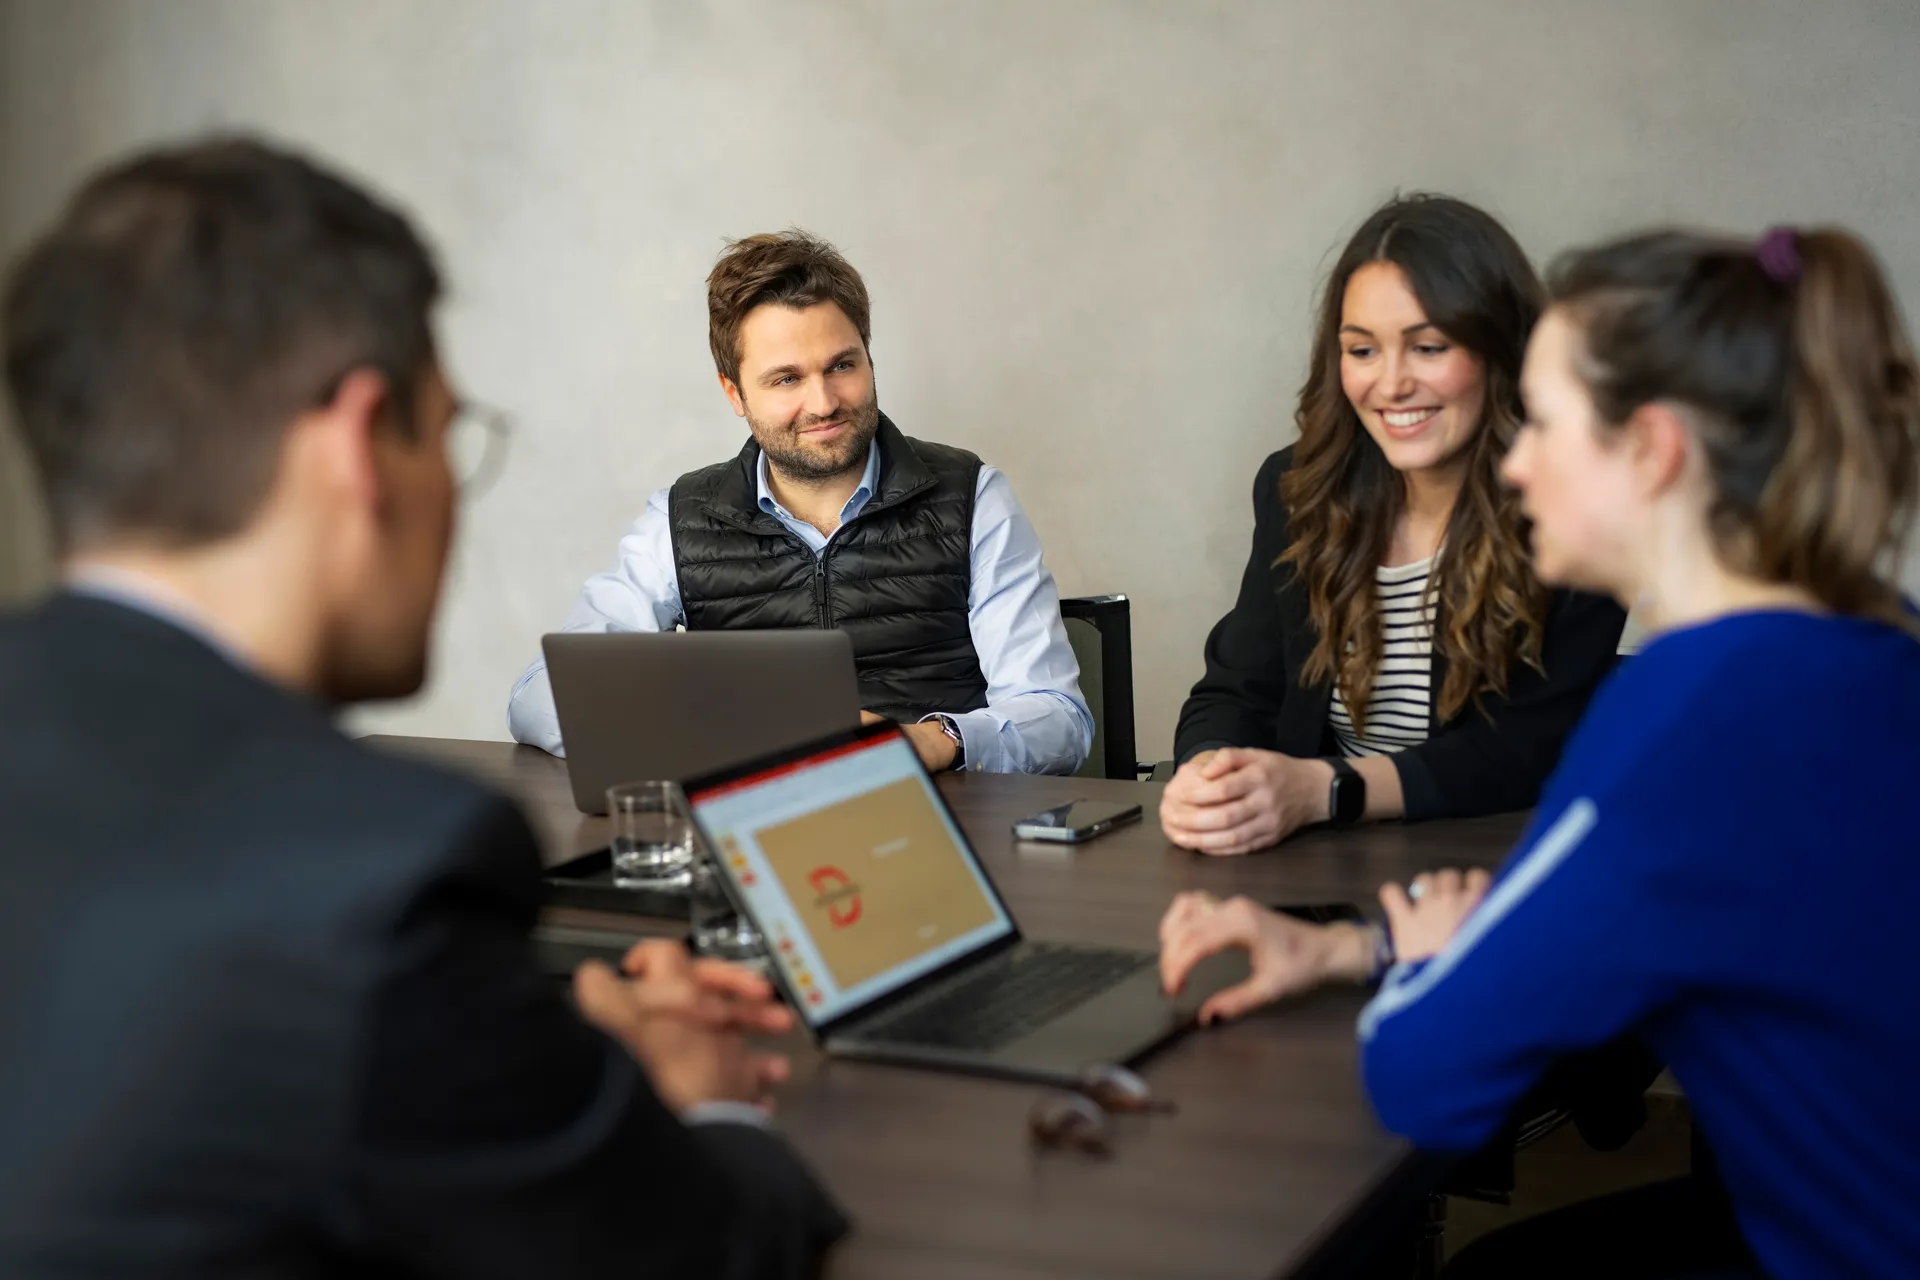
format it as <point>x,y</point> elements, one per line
<point>1343,497</point>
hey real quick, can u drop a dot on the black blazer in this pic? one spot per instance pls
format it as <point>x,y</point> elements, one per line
<point>267,1007</point>
<point>1476,763</point>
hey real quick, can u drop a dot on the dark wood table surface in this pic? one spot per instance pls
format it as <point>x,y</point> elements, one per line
<point>1272,1154</point>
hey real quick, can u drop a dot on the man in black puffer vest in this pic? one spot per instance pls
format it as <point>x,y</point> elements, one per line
<point>831,517</point>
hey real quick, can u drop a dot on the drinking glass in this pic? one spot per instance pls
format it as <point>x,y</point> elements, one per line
<point>714,927</point>
<point>652,843</point>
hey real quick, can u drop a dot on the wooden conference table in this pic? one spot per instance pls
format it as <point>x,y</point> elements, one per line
<point>1272,1163</point>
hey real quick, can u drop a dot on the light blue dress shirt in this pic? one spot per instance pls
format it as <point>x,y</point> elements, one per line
<point>1035,720</point>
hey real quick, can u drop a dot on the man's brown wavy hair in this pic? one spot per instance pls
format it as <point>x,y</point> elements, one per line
<point>1343,497</point>
<point>783,268</point>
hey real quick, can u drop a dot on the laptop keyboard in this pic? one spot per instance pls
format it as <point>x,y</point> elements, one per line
<point>1007,997</point>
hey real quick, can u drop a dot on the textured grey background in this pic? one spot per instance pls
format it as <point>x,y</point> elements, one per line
<point>1092,230</point>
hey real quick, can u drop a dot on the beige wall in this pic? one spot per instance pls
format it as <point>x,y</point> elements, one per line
<point>1092,230</point>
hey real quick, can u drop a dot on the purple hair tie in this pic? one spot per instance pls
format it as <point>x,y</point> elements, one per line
<point>1779,254</point>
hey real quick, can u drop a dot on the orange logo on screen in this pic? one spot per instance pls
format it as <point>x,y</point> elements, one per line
<point>837,893</point>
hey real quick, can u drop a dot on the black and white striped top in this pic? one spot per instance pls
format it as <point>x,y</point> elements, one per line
<point>1400,709</point>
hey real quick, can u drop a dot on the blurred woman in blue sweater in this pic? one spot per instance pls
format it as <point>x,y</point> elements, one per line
<point>1725,435</point>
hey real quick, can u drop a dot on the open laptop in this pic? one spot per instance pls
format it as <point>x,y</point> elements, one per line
<point>638,705</point>
<point>888,936</point>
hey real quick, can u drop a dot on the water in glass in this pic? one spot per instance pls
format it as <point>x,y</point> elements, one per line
<point>652,840</point>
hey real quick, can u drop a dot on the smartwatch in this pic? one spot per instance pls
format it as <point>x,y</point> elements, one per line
<point>952,730</point>
<point>1347,800</point>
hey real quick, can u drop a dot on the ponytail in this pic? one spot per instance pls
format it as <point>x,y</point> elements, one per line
<point>1836,513</point>
<point>1802,382</point>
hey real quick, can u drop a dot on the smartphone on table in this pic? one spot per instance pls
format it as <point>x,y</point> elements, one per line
<point>1076,821</point>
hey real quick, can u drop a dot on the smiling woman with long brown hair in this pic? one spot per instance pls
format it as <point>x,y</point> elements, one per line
<point>1725,431</point>
<point>1391,653</point>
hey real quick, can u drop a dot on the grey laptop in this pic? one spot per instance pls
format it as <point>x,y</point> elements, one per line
<point>639,705</point>
<point>888,936</point>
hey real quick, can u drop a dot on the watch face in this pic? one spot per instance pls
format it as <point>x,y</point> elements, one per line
<point>952,730</point>
<point>1349,798</point>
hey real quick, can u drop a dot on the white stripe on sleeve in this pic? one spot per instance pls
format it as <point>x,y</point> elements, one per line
<point>1403,988</point>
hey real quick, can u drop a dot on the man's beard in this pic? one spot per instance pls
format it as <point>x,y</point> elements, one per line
<point>799,460</point>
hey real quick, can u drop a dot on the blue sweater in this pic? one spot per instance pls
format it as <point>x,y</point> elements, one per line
<point>1727,863</point>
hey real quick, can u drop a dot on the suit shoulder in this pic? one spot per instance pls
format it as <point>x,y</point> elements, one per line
<point>27,632</point>
<point>1269,507</point>
<point>375,806</point>
<point>1277,464</point>
<point>413,781</point>
<point>17,638</point>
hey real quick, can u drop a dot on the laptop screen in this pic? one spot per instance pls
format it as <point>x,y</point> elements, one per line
<point>854,870</point>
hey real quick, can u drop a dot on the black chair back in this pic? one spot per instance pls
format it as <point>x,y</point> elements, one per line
<point>1100,629</point>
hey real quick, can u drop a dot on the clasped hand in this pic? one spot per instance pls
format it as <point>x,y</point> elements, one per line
<point>686,1021</point>
<point>1238,799</point>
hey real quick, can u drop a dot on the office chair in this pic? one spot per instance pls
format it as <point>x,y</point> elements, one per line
<point>1100,629</point>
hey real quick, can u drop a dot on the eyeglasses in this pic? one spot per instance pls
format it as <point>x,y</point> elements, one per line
<point>476,437</point>
<point>477,445</point>
<point>1078,1118</point>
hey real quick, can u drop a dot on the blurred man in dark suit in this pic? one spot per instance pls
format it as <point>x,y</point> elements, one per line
<point>267,1005</point>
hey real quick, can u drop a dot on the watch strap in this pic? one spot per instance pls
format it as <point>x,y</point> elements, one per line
<point>1348,791</point>
<point>1383,953</point>
<point>951,728</point>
